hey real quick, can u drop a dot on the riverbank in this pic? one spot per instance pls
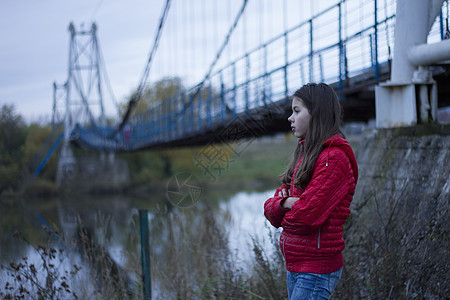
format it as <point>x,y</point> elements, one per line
<point>253,164</point>
<point>250,165</point>
<point>397,234</point>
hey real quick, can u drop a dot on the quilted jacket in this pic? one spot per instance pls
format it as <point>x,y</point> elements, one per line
<point>311,240</point>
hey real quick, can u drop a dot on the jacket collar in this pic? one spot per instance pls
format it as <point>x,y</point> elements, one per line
<point>338,140</point>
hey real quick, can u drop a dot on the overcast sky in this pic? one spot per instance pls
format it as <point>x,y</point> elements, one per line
<point>34,41</point>
<point>34,45</point>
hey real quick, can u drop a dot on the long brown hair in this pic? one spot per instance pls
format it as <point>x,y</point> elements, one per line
<point>326,115</point>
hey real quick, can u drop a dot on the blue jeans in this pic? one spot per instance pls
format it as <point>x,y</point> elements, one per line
<point>311,286</point>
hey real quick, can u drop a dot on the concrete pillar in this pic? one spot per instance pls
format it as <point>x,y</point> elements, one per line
<point>410,97</point>
<point>111,158</point>
<point>413,22</point>
<point>67,168</point>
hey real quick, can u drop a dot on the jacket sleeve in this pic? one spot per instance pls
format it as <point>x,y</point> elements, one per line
<point>273,210</point>
<point>330,183</point>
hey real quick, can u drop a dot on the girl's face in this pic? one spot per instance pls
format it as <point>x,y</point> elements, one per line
<point>299,118</point>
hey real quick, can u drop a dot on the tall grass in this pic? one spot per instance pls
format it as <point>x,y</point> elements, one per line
<point>43,274</point>
<point>194,261</point>
<point>190,259</point>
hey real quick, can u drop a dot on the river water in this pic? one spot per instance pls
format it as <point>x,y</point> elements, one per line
<point>180,228</point>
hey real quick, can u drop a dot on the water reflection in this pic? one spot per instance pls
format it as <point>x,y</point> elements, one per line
<point>248,221</point>
<point>205,240</point>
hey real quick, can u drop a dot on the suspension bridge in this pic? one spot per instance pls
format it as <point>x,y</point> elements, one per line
<point>348,45</point>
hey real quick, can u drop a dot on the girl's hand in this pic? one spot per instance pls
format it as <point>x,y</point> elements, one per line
<point>284,193</point>
<point>289,202</point>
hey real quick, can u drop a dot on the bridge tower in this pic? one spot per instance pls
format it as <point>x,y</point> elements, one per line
<point>59,98</point>
<point>83,93</point>
<point>84,102</point>
<point>410,97</point>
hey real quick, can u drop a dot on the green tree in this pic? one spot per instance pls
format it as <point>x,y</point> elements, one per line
<point>155,93</point>
<point>36,137</point>
<point>162,90</point>
<point>153,165</point>
<point>13,132</point>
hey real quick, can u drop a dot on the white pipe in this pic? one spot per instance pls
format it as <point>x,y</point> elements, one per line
<point>428,54</point>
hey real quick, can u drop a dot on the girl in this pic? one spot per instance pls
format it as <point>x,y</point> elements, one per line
<point>313,202</point>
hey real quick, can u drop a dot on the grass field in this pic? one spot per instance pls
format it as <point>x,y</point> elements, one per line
<point>262,161</point>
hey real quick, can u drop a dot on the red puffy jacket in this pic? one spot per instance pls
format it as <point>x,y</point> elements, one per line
<point>312,240</point>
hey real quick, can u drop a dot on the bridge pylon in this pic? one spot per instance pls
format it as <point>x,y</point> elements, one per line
<point>84,102</point>
<point>410,97</point>
<point>59,98</point>
<point>83,96</point>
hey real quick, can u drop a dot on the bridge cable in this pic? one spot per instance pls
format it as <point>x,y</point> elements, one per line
<point>136,97</point>
<point>447,31</point>
<point>217,57</point>
<point>205,41</point>
<point>215,28</point>
<point>94,13</point>
<point>108,82</point>
<point>387,31</point>
<point>185,38</point>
